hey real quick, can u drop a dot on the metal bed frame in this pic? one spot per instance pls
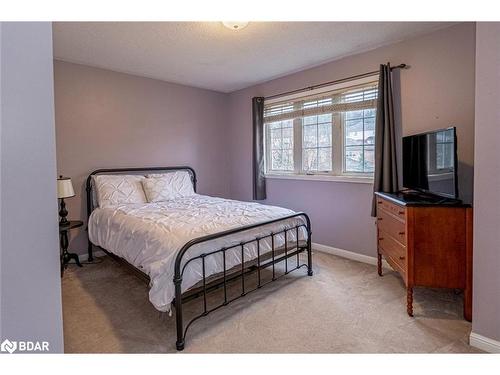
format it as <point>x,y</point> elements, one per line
<point>211,283</point>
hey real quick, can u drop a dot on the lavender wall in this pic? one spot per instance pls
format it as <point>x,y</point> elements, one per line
<point>30,293</point>
<point>486,303</point>
<point>108,119</point>
<point>437,92</point>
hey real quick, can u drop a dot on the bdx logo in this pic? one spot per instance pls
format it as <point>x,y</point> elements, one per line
<point>8,346</point>
<point>24,346</point>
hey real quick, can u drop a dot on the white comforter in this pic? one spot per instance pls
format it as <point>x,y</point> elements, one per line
<point>150,235</point>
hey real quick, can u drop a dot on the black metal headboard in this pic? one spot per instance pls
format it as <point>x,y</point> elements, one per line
<point>88,185</point>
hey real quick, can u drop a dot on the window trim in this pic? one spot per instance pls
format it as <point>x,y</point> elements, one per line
<point>337,173</point>
<point>362,179</point>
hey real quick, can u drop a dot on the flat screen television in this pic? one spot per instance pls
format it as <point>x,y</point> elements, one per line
<point>430,162</point>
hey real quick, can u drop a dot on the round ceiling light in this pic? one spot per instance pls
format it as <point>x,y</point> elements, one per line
<point>234,25</point>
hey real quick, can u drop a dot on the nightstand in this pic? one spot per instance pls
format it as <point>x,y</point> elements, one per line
<point>63,238</point>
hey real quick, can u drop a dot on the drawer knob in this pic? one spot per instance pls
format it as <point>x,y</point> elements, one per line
<point>379,218</point>
<point>381,238</point>
<point>401,212</point>
<point>380,202</point>
<point>402,257</point>
<point>401,233</point>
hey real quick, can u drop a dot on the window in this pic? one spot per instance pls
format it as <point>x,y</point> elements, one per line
<point>281,145</point>
<point>331,132</point>
<point>317,143</point>
<point>359,141</point>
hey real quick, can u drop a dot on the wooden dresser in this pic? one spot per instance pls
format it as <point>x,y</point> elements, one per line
<point>428,243</point>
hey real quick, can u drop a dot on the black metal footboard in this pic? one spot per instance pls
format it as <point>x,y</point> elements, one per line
<point>286,252</point>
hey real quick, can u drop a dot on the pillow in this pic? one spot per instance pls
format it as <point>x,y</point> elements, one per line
<point>167,186</point>
<point>118,189</point>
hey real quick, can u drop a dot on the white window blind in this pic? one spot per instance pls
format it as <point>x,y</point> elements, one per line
<point>328,132</point>
<point>350,99</point>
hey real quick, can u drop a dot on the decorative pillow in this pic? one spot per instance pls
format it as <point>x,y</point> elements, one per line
<point>167,186</point>
<point>118,189</point>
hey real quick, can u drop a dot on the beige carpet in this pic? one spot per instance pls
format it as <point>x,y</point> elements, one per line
<point>344,308</point>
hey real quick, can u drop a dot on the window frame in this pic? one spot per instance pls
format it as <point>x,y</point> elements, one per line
<point>338,172</point>
<point>344,146</point>
<point>300,151</point>
<point>268,150</point>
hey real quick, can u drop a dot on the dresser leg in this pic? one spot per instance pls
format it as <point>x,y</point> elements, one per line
<point>409,301</point>
<point>379,263</point>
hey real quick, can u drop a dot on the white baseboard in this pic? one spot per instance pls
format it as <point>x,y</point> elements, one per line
<point>348,254</point>
<point>484,343</point>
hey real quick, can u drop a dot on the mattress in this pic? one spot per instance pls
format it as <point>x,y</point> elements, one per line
<point>149,236</point>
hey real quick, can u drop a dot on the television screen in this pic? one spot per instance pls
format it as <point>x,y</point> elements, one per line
<point>430,162</point>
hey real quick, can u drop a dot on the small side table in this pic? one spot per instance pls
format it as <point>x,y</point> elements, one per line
<point>63,239</point>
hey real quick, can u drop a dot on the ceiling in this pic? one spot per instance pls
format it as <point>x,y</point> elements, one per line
<point>210,56</point>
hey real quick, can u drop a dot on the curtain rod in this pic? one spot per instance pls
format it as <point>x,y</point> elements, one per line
<point>309,88</point>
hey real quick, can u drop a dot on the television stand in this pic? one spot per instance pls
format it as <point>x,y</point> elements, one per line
<point>428,241</point>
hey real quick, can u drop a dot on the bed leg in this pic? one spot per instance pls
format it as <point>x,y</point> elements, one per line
<point>89,249</point>
<point>309,256</point>
<point>178,314</point>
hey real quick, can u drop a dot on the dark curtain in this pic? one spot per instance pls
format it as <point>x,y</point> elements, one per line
<point>259,181</point>
<point>386,173</point>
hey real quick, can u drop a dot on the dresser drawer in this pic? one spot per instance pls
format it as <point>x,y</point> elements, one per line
<point>394,209</point>
<point>392,226</point>
<point>391,248</point>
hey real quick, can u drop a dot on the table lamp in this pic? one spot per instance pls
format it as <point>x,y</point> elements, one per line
<point>64,190</point>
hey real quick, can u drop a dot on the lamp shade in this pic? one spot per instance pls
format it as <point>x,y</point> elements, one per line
<point>64,187</point>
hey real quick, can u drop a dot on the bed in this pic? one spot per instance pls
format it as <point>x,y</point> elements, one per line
<point>191,245</point>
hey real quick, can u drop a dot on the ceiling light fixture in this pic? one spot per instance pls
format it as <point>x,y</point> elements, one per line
<point>235,25</point>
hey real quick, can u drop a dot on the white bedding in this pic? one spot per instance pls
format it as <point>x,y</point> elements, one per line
<point>150,235</point>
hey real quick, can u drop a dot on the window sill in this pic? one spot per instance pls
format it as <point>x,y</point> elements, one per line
<point>317,177</point>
